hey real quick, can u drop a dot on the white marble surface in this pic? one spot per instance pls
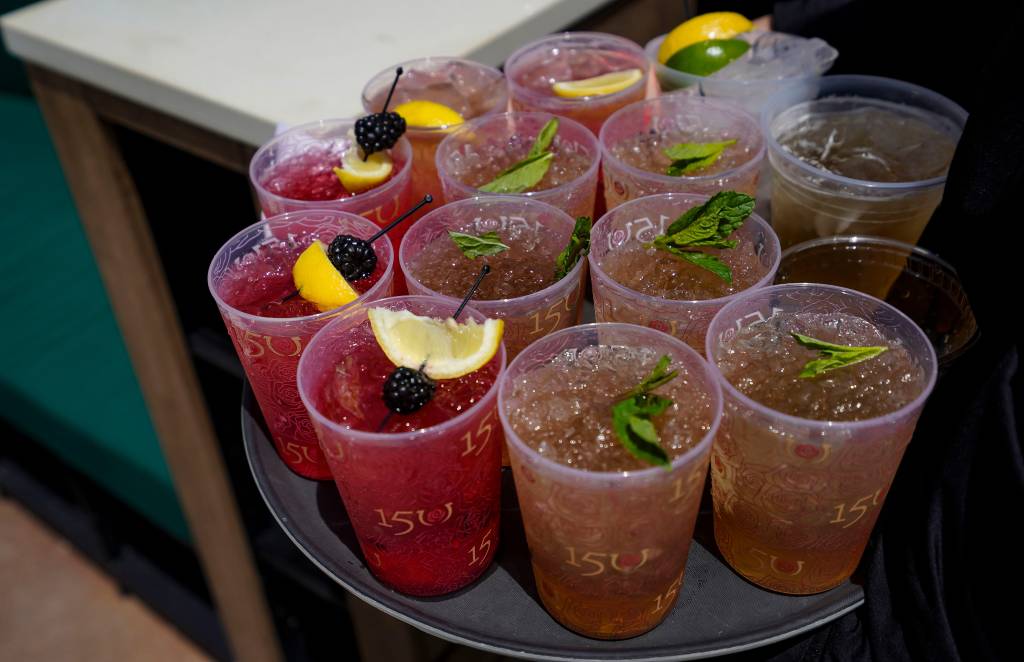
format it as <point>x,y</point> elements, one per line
<point>241,67</point>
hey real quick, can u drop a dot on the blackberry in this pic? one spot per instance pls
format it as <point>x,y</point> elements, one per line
<point>407,390</point>
<point>352,256</point>
<point>380,131</point>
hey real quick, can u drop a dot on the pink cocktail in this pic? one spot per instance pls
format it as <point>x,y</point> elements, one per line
<point>423,489</point>
<point>250,279</point>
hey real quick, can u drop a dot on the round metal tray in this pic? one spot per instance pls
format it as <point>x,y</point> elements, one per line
<point>717,613</point>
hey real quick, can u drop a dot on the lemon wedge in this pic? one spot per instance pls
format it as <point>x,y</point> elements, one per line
<point>713,25</point>
<point>598,86</point>
<point>447,349</point>
<point>318,281</point>
<point>357,175</point>
<point>428,114</point>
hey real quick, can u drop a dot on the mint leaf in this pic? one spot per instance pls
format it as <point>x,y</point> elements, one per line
<point>833,356</point>
<point>579,245</point>
<point>544,139</point>
<point>688,158</point>
<point>524,175</point>
<point>489,243</point>
<point>631,416</point>
<point>707,226</point>
<point>521,176</point>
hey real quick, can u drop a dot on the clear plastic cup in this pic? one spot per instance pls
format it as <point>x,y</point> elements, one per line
<point>424,505</point>
<point>750,94</point>
<point>608,548</point>
<point>547,228</point>
<point>917,282</point>
<point>469,88</point>
<point>321,144</point>
<point>639,221</point>
<point>809,202</point>
<point>535,67</point>
<point>475,154</point>
<point>270,347</point>
<point>795,499</point>
<point>666,121</point>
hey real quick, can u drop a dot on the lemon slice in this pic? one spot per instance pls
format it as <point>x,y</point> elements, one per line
<point>357,175</point>
<point>714,25</point>
<point>447,348</point>
<point>318,281</point>
<point>598,85</point>
<point>428,114</point>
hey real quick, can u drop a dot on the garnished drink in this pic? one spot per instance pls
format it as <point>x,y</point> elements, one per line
<point>585,76</point>
<point>823,388</point>
<point>868,156</point>
<point>651,265</point>
<point>495,154</point>
<point>609,427</point>
<point>521,240</point>
<point>679,144</point>
<point>255,280</point>
<point>436,95</point>
<point>402,397</point>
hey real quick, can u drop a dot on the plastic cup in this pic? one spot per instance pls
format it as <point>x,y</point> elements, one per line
<point>748,94</point>
<point>809,202</point>
<point>920,284</point>
<point>269,347</point>
<point>535,67</point>
<point>424,505</point>
<point>608,548</point>
<point>470,88</point>
<point>639,221</point>
<point>475,153</point>
<point>527,317</point>
<point>795,499</point>
<point>679,118</point>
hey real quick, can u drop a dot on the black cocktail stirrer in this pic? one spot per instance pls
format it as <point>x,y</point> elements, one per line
<point>407,390</point>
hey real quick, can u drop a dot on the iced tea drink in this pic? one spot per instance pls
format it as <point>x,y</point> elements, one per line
<point>250,278</point>
<point>469,88</point>
<point>422,490</point>
<point>522,288</point>
<point>636,142</point>
<point>866,156</point>
<point>478,152</point>
<point>638,284</point>
<point>802,464</point>
<point>608,533</point>
<point>537,67</point>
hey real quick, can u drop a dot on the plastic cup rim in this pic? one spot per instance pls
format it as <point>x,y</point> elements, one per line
<point>700,447</point>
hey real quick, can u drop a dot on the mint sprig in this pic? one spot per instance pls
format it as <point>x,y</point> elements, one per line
<point>688,158</point>
<point>527,173</point>
<point>579,245</point>
<point>833,356</point>
<point>707,226</point>
<point>631,416</point>
<point>489,243</point>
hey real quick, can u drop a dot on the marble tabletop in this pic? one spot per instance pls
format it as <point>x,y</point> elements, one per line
<point>242,67</point>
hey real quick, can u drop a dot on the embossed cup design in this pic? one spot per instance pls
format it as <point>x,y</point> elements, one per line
<point>639,221</point>
<point>795,499</point>
<point>269,348</point>
<point>527,317</point>
<point>425,504</point>
<point>608,549</point>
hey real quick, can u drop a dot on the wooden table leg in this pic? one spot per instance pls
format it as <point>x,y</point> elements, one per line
<point>116,226</point>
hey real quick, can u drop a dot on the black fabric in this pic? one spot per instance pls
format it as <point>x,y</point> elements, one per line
<point>940,574</point>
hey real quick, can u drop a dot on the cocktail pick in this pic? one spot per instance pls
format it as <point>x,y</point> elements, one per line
<point>380,131</point>
<point>407,390</point>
